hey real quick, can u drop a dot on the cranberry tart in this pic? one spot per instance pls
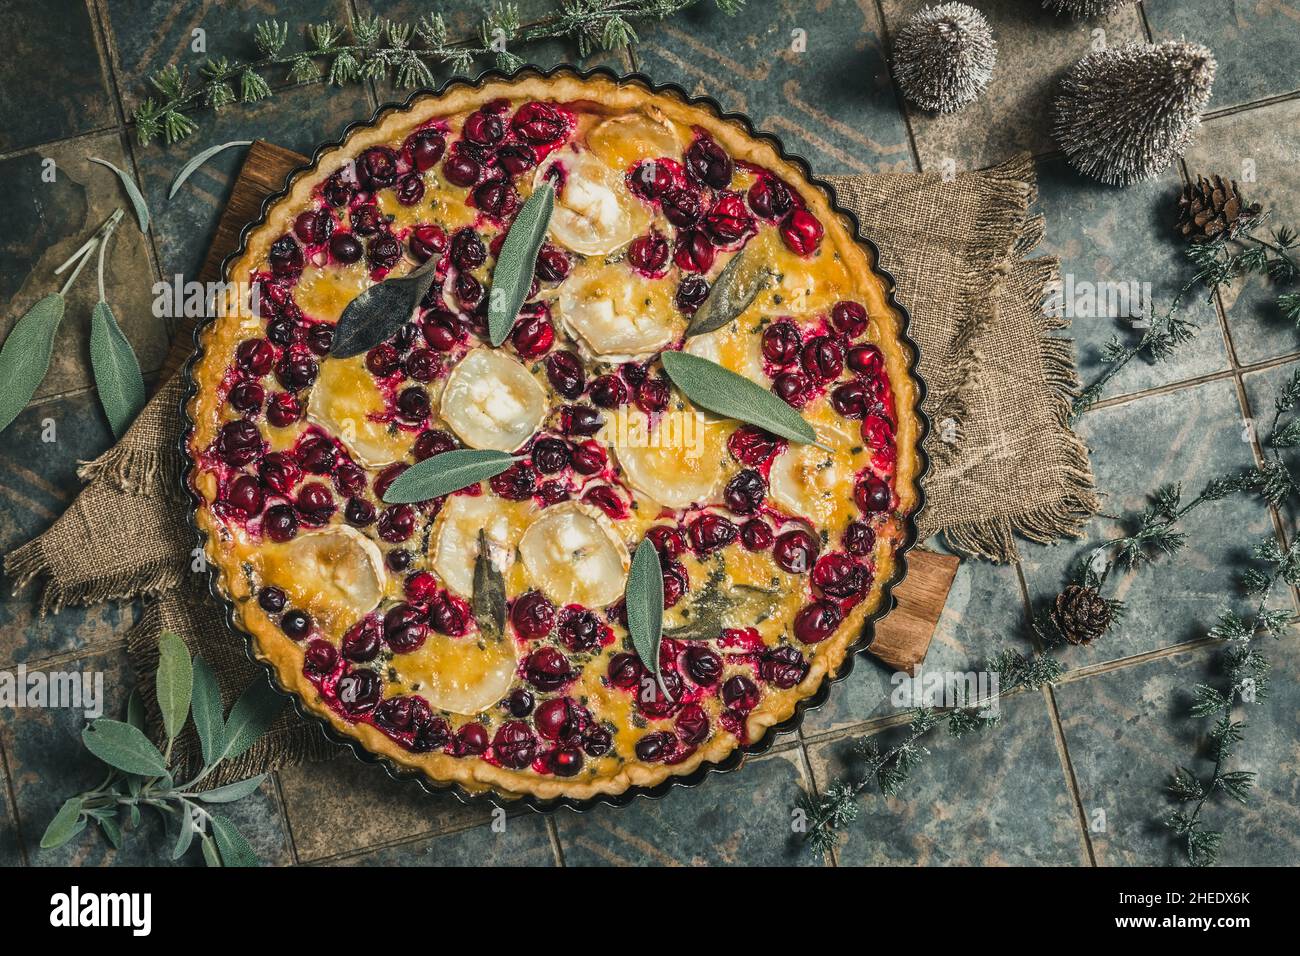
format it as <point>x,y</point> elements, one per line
<point>775,554</point>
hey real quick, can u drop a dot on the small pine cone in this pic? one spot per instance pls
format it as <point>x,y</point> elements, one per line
<point>1081,614</point>
<point>1213,209</point>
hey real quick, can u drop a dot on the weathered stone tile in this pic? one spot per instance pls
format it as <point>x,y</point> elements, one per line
<point>1258,148</point>
<point>735,819</point>
<point>815,76</point>
<point>1035,48</point>
<point>1254,43</point>
<point>46,222</point>
<point>48,764</point>
<point>52,80</point>
<point>519,841</point>
<point>996,798</point>
<point>38,481</point>
<point>1128,730</point>
<point>1188,436</point>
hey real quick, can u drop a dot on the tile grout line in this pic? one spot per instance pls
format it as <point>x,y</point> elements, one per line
<point>296,860</point>
<point>12,796</point>
<point>805,761</point>
<point>553,832</point>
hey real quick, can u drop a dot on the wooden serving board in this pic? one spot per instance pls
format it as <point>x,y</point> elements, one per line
<point>902,638</point>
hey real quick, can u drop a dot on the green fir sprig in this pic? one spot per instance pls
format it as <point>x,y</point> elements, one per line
<point>373,48</point>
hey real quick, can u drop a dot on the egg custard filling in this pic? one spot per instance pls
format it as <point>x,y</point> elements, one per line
<point>773,553</point>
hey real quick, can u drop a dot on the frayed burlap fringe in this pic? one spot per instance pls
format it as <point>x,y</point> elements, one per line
<point>32,565</point>
<point>136,471</point>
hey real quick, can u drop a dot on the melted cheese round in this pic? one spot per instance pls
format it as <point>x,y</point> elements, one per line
<point>616,315</point>
<point>623,141</point>
<point>574,555</point>
<point>464,675</point>
<point>346,402</point>
<point>335,574</point>
<point>812,483</point>
<point>491,401</point>
<point>679,461</point>
<point>594,212</point>
<point>455,536</point>
<point>734,348</point>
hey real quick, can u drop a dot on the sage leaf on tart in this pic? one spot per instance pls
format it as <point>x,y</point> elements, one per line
<point>513,274</point>
<point>132,192</point>
<point>118,379</point>
<point>734,291</point>
<point>723,392</point>
<point>25,357</point>
<point>489,599</point>
<point>377,313</point>
<point>446,472</point>
<point>645,606</point>
<point>715,607</point>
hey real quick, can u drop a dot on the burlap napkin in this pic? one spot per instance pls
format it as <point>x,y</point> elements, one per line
<point>1003,460</point>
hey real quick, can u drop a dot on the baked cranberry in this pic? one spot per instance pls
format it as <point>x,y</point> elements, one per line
<point>649,179</point>
<point>467,250</point>
<point>420,587</point>
<point>668,541</point>
<point>413,404</point>
<point>472,740</point>
<point>320,338</point>
<point>755,535</point>
<point>564,761</point>
<point>396,523</point>
<point>296,372</point>
<point>539,123</point>
<point>314,503</point>
<point>691,293</point>
<point>514,745</point>
<point>532,615</point>
<point>461,169</point>
<point>239,442</point>
<point>337,190</point>
<point>580,629</point>
<point>694,252</point>
<point>877,432</point>
<point>783,666</point>
<point>320,658</point>
<point>425,147</point>
<point>859,539</point>
<point>655,746</point>
<point>710,532</point>
<point>278,472</point>
<point>384,252</point>
<point>359,690</point>
<point>849,319</point>
<point>751,445</point>
<point>404,628</point>
<point>587,458</point>
<point>280,523</point>
<point>682,207</point>
<point>246,396</point>
<point>366,220</point>
<point>449,614</point>
<point>384,480</point>
<point>427,242</point>
<point>244,494</point>
<point>562,719</point>
<point>708,163</point>
<point>872,495</point>
<point>653,702</point>
<point>394,715</point>
<point>296,624</point>
<point>484,128</point>
<point>383,360</point>
<point>377,168</point>
<point>740,693</point>
<point>676,583</point>
<point>547,669</point>
<point>781,343</point>
<point>552,264</point>
<point>607,500</point>
<point>609,391</point>
<point>255,356</point>
<point>745,492</point>
<point>649,253</point>
<point>597,741</point>
<point>703,665</point>
<point>282,331</point>
<point>550,455</point>
<point>802,232</point>
<point>345,248</point>
<point>516,483</point>
<point>795,551</point>
<point>625,671</point>
<point>822,358</point>
<point>497,198</point>
<point>422,365</point>
<point>839,576</point>
<point>398,560</point>
<point>359,513</point>
<point>728,221</point>
<point>516,159</point>
<point>519,703</point>
<point>580,420</point>
<point>553,492</point>
<point>850,399</point>
<point>317,454</point>
<point>361,643</point>
<point>313,226</point>
<point>652,395</point>
<point>285,256</point>
<point>770,198</point>
<point>692,724</point>
<point>817,621</point>
<point>791,388</point>
<point>432,442</point>
<point>564,372</point>
<point>271,600</point>
<point>443,331</point>
<point>431,734</point>
<point>533,336</point>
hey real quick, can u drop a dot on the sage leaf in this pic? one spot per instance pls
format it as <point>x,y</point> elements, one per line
<point>117,370</point>
<point>185,835</point>
<point>513,273</point>
<point>734,291</point>
<point>446,472</point>
<point>235,850</point>
<point>132,191</point>
<point>725,393</point>
<point>645,606</point>
<point>377,313</point>
<point>175,681</point>
<point>207,712</point>
<point>188,169</point>
<point>252,714</point>
<point>135,709</point>
<point>67,823</point>
<point>112,830</point>
<point>232,791</point>
<point>489,598</point>
<point>210,855</point>
<point>25,356</point>
<point>124,747</point>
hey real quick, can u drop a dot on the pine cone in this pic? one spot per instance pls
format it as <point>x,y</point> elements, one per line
<point>1080,614</point>
<point>1213,209</point>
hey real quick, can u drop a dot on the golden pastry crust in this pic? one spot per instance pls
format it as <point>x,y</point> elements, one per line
<point>241,566</point>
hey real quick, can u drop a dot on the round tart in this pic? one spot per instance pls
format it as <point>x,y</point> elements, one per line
<point>775,555</point>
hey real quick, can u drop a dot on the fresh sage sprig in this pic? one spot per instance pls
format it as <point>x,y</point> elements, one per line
<point>735,289</point>
<point>513,273</point>
<point>723,392</point>
<point>140,775</point>
<point>447,472</point>
<point>377,313</point>
<point>118,379</point>
<point>645,607</point>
